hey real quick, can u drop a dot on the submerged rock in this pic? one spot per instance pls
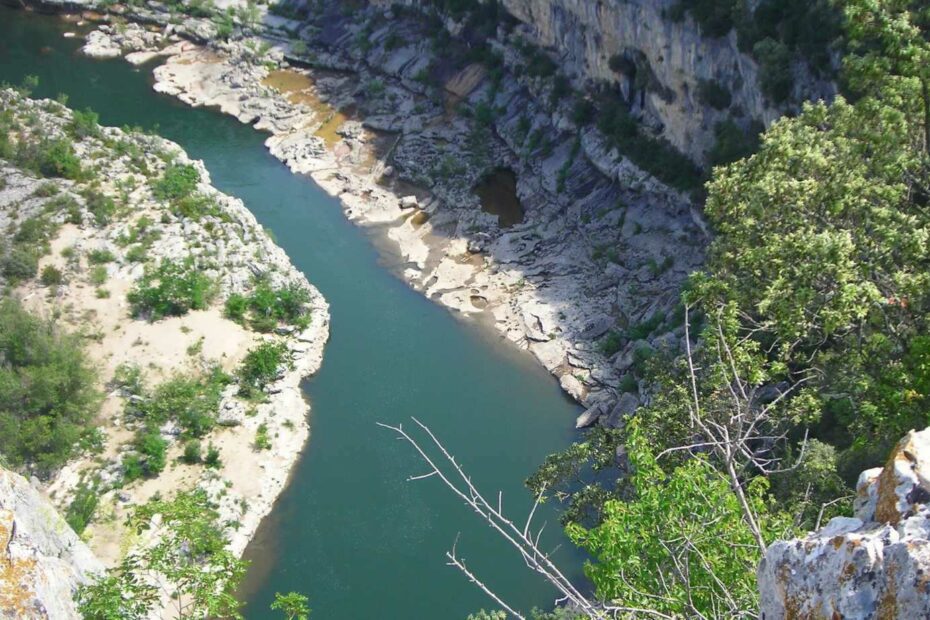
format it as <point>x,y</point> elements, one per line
<point>873,565</point>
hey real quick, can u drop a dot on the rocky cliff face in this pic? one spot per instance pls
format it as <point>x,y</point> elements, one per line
<point>42,560</point>
<point>873,565</point>
<point>584,35</point>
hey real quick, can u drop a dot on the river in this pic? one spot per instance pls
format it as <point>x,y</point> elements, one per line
<point>350,531</point>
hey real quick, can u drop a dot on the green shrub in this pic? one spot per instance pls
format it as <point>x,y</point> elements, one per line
<point>84,124</point>
<point>191,452</point>
<point>260,367</point>
<point>196,206</point>
<point>100,257</point>
<point>101,206</point>
<point>262,441</point>
<point>212,459</point>
<point>714,94</point>
<point>153,450</point>
<point>35,231</point>
<point>627,384</point>
<point>46,190</point>
<point>171,289</point>
<point>775,77</point>
<point>82,507</point>
<point>98,275</point>
<point>732,143</point>
<point>47,399</point>
<point>611,343</point>
<point>20,264</point>
<point>51,158</point>
<point>192,402</point>
<point>52,276</point>
<point>643,329</point>
<point>236,307</point>
<point>179,181</point>
<point>583,112</point>
<point>129,379</point>
<point>132,467</point>
<point>267,306</point>
<point>654,155</point>
<point>67,204</point>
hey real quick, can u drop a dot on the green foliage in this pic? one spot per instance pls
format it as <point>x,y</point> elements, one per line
<point>212,458</point>
<point>266,307</point>
<point>101,206</point>
<point>196,206</point>
<point>715,17</point>
<point>583,477</point>
<point>189,556</point>
<point>179,181</point>
<point>262,440</point>
<point>714,94</point>
<point>191,454</point>
<point>732,143</point>
<point>171,289</point>
<point>687,517</point>
<point>84,124</point>
<point>260,367</point>
<point>51,158</point>
<point>654,155</point>
<point>293,605</point>
<point>152,449</point>
<point>20,264</point>
<point>775,76</point>
<point>47,398</point>
<point>100,257</point>
<point>119,595</point>
<point>52,276</point>
<point>98,275</point>
<point>82,507</point>
<point>191,402</point>
<point>611,343</point>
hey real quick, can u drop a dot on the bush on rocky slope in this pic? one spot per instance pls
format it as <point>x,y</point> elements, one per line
<point>47,398</point>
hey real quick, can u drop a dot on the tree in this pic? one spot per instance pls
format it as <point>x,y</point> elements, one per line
<point>293,605</point>
<point>47,395</point>
<point>890,42</point>
<point>679,544</point>
<point>187,561</point>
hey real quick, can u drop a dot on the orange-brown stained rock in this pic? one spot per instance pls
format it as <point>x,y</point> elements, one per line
<point>15,575</point>
<point>886,506</point>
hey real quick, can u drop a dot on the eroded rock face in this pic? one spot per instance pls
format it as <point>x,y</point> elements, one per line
<point>42,560</point>
<point>873,565</point>
<point>586,34</point>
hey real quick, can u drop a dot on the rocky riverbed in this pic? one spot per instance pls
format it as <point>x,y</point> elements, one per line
<point>588,281</point>
<point>111,230</point>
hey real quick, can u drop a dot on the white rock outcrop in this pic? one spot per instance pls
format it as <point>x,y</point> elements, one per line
<point>873,565</point>
<point>42,560</point>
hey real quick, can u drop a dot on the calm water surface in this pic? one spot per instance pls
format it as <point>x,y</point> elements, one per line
<point>349,531</point>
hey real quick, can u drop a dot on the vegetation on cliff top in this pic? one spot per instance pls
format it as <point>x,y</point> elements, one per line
<point>813,359</point>
<point>47,394</point>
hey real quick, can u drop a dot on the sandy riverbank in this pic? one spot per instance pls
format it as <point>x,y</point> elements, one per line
<point>230,247</point>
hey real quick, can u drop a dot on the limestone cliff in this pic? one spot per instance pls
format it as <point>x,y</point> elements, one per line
<point>873,565</point>
<point>584,35</point>
<point>42,560</point>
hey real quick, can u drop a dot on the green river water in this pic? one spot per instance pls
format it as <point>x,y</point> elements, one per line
<point>350,531</point>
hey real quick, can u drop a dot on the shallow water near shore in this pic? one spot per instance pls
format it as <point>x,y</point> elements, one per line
<point>350,531</point>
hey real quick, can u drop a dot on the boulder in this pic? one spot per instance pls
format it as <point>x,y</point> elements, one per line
<point>42,560</point>
<point>589,416</point>
<point>873,565</point>
<point>626,405</point>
